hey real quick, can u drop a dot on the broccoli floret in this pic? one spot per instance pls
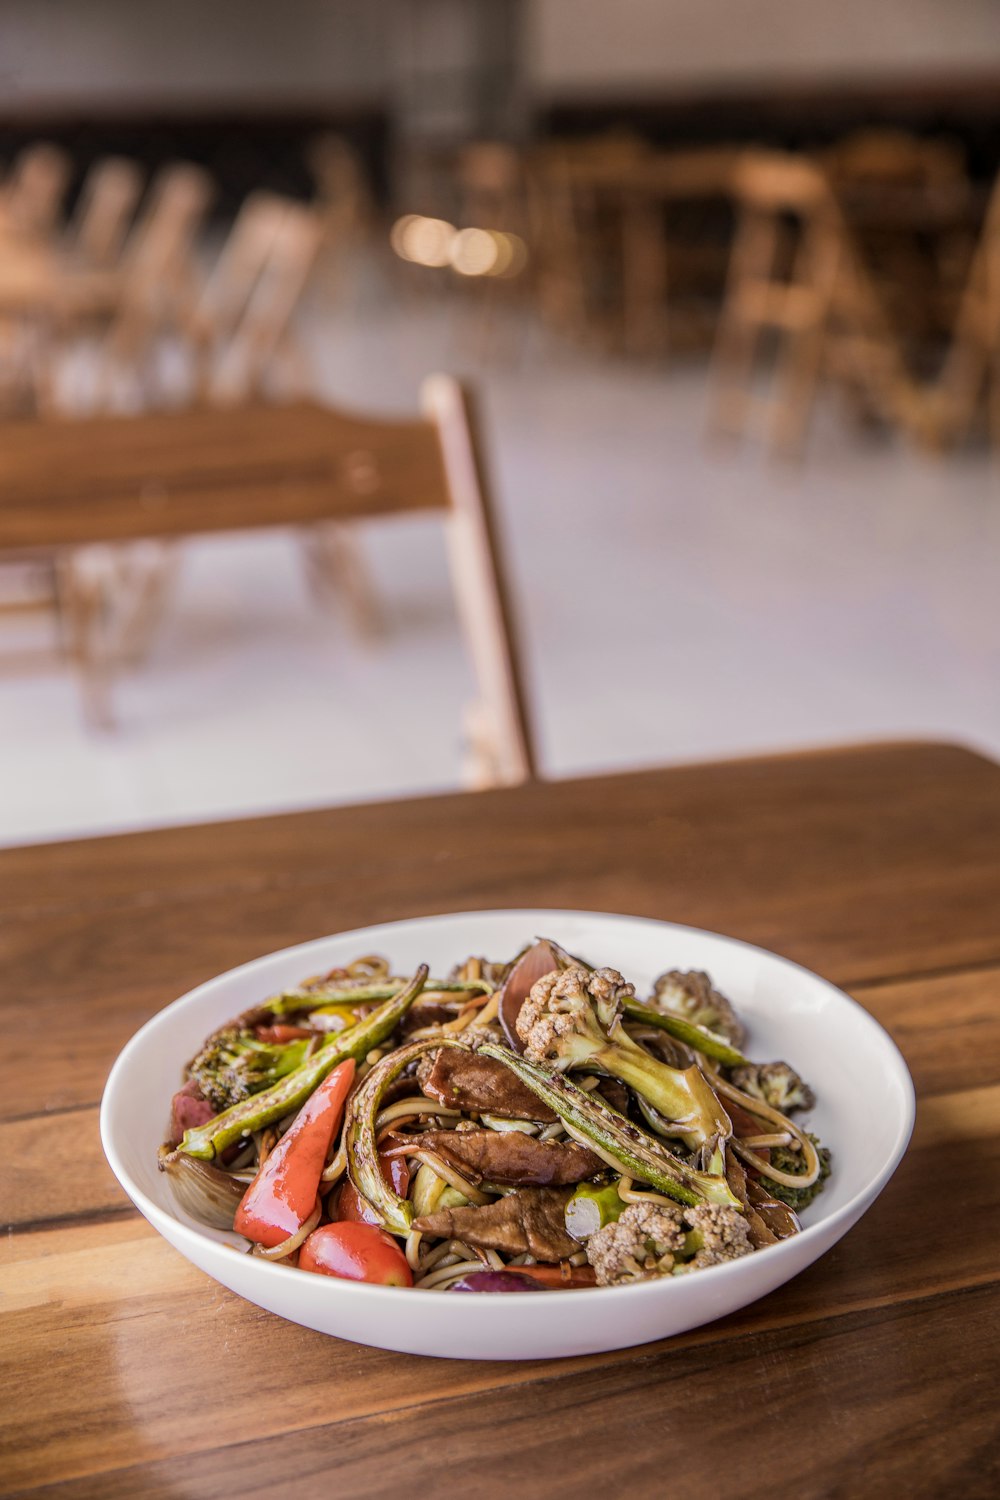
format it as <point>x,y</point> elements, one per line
<point>776,1083</point>
<point>234,1064</point>
<point>572,1019</point>
<point>692,996</point>
<point>787,1160</point>
<point>653,1239</point>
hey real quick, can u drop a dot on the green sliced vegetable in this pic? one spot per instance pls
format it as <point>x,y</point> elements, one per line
<point>591,1207</point>
<point>208,1140</point>
<point>360,1137</point>
<point>366,994</point>
<point>698,1037</point>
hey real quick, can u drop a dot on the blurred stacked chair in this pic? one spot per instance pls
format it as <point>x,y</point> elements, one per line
<point>103,215</point>
<point>252,350</point>
<point>31,200</point>
<point>158,284</point>
<point>889,157</point>
<point>491,196</point>
<point>576,232</point>
<point>343,198</point>
<point>970,376</point>
<point>906,198</point>
<point>797,278</point>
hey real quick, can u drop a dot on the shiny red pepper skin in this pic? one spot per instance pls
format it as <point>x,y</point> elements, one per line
<point>352,1207</point>
<point>355,1252</point>
<point>283,1194</point>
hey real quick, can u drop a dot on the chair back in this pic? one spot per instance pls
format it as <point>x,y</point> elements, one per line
<point>489,179</point>
<point>34,191</point>
<point>774,183</point>
<point>343,194</point>
<point>104,213</point>
<point>158,255</point>
<point>896,158</point>
<point>261,351</point>
<point>795,270</point>
<point>971,368</point>
<point>500,749</point>
<point>243,256</point>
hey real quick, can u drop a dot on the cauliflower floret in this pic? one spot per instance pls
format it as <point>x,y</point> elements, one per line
<point>692,996</point>
<point>657,1239</point>
<point>723,1233</point>
<point>572,1002</point>
<point>644,1241</point>
<point>777,1084</point>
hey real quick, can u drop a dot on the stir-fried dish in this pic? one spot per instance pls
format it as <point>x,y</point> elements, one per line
<point>516,1126</point>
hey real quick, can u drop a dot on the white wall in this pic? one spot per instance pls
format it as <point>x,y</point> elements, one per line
<point>658,46</point>
<point>125,52</point>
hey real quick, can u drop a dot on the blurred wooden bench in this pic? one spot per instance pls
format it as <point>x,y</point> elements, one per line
<point>67,485</point>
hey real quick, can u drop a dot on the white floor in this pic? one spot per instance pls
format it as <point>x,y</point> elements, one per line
<point>677,602</point>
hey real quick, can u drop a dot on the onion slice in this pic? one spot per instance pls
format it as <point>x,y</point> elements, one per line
<point>539,960</point>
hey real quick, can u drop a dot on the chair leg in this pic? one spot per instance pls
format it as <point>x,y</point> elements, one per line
<point>149,580</point>
<point>797,390</point>
<point>84,605</point>
<point>335,565</point>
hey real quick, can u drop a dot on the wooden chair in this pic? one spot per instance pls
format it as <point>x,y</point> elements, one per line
<point>499,745</point>
<point>257,352</point>
<point>72,484</point>
<point>229,285</point>
<point>32,197</point>
<point>103,215</point>
<point>343,193</point>
<point>249,350</point>
<point>158,280</point>
<point>898,157</point>
<point>795,275</point>
<point>575,192</point>
<point>971,370</point>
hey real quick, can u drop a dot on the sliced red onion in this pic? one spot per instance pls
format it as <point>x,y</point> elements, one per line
<point>539,960</point>
<point>495,1281</point>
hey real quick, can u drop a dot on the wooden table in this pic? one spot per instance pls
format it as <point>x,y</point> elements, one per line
<point>126,1372</point>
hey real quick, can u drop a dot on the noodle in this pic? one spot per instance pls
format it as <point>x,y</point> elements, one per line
<point>442,1276</point>
<point>405,1109</point>
<point>629,1195</point>
<point>279,1252</point>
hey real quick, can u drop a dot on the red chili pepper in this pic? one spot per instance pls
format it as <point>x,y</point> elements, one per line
<point>282,1033</point>
<point>350,1204</point>
<point>283,1194</point>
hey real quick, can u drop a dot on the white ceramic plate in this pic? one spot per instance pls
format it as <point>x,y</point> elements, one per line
<point>865,1114</point>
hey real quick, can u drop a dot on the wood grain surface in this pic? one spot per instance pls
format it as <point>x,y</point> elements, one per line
<point>176,473</point>
<point>126,1372</point>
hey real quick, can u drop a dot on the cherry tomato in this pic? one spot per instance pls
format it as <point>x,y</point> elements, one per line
<point>351,1205</point>
<point>356,1252</point>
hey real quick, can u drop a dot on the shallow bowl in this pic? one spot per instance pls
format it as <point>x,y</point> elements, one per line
<point>865,1114</point>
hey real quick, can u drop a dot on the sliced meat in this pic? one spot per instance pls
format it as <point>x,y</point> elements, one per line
<point>530,1221</point>
<point>480,1085</point>
<point>426,1013</point>
<point>615,1092</point>
<point>761,1233</point>
<point>188,1109</point>
<point>511,1158</point>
